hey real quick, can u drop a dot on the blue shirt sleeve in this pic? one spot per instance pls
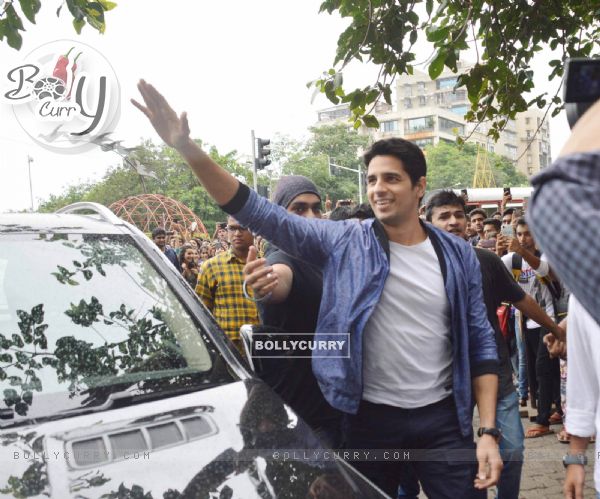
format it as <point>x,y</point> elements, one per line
<point>311,240</point>
<point>564,215</point>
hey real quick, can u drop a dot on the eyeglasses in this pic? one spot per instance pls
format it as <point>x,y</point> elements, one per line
<point>236,228</point>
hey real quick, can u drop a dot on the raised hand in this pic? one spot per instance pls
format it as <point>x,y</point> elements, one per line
<point>173,129</point>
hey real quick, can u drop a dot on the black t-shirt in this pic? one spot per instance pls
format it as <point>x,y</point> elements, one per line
<point>295,382</point>
<point>498,286</point>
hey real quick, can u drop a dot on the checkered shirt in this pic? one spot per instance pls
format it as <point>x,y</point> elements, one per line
<point>220,288</point>
<point>564,215</point>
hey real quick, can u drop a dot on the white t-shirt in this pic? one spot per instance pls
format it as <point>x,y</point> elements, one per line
<point>407,349</point>
<point>527,280</point>
<point>583,379</point>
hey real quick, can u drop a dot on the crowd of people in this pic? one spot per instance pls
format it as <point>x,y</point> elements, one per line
<point>446,307</point>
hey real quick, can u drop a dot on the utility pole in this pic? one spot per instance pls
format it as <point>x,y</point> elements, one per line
<point>332,170</point>
<point>29,161</point>
<point>254,173</point>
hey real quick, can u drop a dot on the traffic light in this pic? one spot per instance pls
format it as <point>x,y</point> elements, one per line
<point>262,159</point>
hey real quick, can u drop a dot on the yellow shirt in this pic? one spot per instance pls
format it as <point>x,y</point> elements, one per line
<point>220,288</point>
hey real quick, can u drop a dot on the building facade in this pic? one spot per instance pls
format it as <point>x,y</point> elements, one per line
<point>534,142</point>
<point>429,111</point>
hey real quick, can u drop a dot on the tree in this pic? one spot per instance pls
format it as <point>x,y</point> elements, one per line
<point>83,12</point>
<point>450,166</point>
<point>507,36</point>
<point>174,179</point>
<point>327,143</point>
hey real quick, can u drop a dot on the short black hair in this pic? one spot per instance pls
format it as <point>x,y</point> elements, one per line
<point>522,221</point>
<point>340,213</point>
<point>493,221</point>
<point>496,213</point>
<point>443,198</point>
<point>478,211</point>
<point>361,212</point>
<point>411,156</point>
<point>508,211</point>
<point>159,231</point>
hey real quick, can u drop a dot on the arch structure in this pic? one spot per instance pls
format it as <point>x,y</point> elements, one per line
<point>148,211</point>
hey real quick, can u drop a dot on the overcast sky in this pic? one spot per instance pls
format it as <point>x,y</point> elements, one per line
<point>234,66</point>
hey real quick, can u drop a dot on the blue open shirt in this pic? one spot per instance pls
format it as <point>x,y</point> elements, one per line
<point>354,258</point>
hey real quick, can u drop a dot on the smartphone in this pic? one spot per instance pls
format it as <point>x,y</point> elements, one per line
<point>507,191</point>
<point>463,192</point>
<point>508,231</point>
<point>488,243</point>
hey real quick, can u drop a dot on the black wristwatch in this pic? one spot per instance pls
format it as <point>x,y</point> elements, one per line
<point>574,459</point>
<point>493,432</point>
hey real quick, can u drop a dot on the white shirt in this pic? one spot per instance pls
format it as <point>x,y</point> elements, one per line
<point>407,350</point>
<point>527,280</point>
<point>583,378</point>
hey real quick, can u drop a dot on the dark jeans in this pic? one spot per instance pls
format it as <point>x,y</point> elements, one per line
<point>445,475</point>
<point>544,371</point>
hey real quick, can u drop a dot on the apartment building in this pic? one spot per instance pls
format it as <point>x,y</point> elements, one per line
<point>429,111</point>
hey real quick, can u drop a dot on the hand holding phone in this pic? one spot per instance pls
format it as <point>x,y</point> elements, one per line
<point>507,231</point>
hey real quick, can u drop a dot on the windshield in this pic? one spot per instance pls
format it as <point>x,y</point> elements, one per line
<point>83,316</point>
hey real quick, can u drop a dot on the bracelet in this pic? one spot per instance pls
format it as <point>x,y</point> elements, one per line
<point>245,291</point>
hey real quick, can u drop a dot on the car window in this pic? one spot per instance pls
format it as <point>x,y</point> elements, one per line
<point>83,316</point>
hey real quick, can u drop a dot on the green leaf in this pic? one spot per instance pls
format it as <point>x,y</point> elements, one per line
<point>413,36</point>
<point>13,18</point>
<point>107,5</point>
<point>438,34</point>
<point>30,8</point>
<point>437,65</point>
<point>78,24</point>
<point>17,341</point>
<point>28,397</point>
<point>10,396</point>
<point>370,121</point>
<point>338,80</point>
<point>14,39</point>
<point>429,6</point>
<point>37,314</point>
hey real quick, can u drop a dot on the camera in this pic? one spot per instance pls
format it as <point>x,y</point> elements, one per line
<point>581,86</point>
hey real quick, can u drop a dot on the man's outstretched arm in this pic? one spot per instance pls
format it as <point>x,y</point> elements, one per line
<point>175,131</point>
<point>309,240</point>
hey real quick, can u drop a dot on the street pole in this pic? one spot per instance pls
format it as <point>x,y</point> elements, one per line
<point>254,172</point>
<point>360,195</point>
<point>29,161</point>
<point>359,171</point>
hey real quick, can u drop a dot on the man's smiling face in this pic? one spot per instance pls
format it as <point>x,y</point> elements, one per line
<point>390,191</point>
